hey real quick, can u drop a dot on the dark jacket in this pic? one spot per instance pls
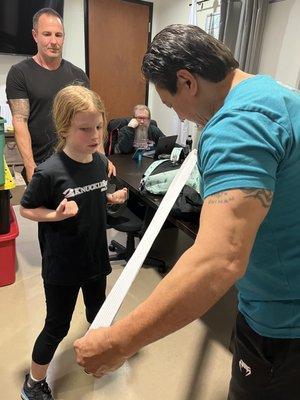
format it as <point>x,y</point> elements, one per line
<point>126,136</point>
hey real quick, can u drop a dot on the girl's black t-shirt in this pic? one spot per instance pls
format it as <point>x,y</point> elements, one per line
<point>74,251</point>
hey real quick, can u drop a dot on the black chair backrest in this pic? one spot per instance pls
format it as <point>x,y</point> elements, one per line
<point>113,127</point>
<point>117,123</point>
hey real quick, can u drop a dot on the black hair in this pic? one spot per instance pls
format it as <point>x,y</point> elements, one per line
<point>186,47</point>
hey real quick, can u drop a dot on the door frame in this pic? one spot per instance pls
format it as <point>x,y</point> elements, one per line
<point>86,35</point>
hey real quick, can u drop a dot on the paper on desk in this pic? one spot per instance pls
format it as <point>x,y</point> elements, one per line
<point>117,294</point>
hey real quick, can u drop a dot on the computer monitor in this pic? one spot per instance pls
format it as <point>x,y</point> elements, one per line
<point>165,145</point>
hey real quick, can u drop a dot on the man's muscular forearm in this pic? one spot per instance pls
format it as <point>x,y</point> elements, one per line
<point>20,113</point>
<point>23,140</point>
<point>228,227</point>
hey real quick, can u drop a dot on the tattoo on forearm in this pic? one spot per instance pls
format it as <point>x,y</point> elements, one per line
<point>221,198</point>
<point>20,109</point>
<point>264,196</point>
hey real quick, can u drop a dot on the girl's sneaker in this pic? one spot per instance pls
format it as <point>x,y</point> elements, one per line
<point>39,391</point>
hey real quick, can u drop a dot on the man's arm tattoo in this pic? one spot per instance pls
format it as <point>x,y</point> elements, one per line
<point>221,198</point>
<point>19,109</point>
<point>264,196</point>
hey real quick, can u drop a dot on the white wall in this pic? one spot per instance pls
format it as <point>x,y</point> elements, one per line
<point>74,49</point>
<point>280,55</point>
<point>6,61</point>
<point>167,12</point>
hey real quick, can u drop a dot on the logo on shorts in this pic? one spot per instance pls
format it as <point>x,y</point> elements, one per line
<point>244,368</point>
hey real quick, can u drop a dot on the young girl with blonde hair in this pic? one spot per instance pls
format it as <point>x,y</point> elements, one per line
<point>67,196</point>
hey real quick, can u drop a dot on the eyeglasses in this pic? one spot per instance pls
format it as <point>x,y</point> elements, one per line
<point>142,118</point>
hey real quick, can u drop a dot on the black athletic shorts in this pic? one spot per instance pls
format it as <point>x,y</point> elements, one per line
<point>264,368</point>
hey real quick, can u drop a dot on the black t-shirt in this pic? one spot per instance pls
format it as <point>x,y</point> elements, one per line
<point>73,250</point>
<point>28,80</point>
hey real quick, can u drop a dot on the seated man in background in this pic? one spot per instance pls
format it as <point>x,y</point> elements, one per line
<point>139,132</point>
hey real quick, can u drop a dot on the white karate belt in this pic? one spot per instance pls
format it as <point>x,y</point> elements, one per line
<point>117,294</point>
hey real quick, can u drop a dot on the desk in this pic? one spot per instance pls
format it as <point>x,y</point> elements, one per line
<point>220,318</point>
<point>130,172</point>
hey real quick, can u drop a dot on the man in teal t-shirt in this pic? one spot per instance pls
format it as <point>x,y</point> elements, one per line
<point>253,141</point>
<point>249,160</point>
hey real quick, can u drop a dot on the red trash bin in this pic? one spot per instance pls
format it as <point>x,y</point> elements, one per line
<point>8,252</point>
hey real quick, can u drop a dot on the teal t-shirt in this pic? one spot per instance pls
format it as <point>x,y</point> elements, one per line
<point>253,141</point>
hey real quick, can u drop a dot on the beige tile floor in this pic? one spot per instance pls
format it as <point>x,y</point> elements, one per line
<point>192,364</point>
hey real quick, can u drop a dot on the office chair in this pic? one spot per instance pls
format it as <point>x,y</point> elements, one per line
<point>128,223</point>
<point>122,219</point>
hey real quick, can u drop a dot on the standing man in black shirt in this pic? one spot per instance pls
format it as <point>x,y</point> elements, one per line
<point>31,86</point>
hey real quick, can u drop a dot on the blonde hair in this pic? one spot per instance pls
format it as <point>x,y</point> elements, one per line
<point>69,101</point>
<point>141,107</point>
